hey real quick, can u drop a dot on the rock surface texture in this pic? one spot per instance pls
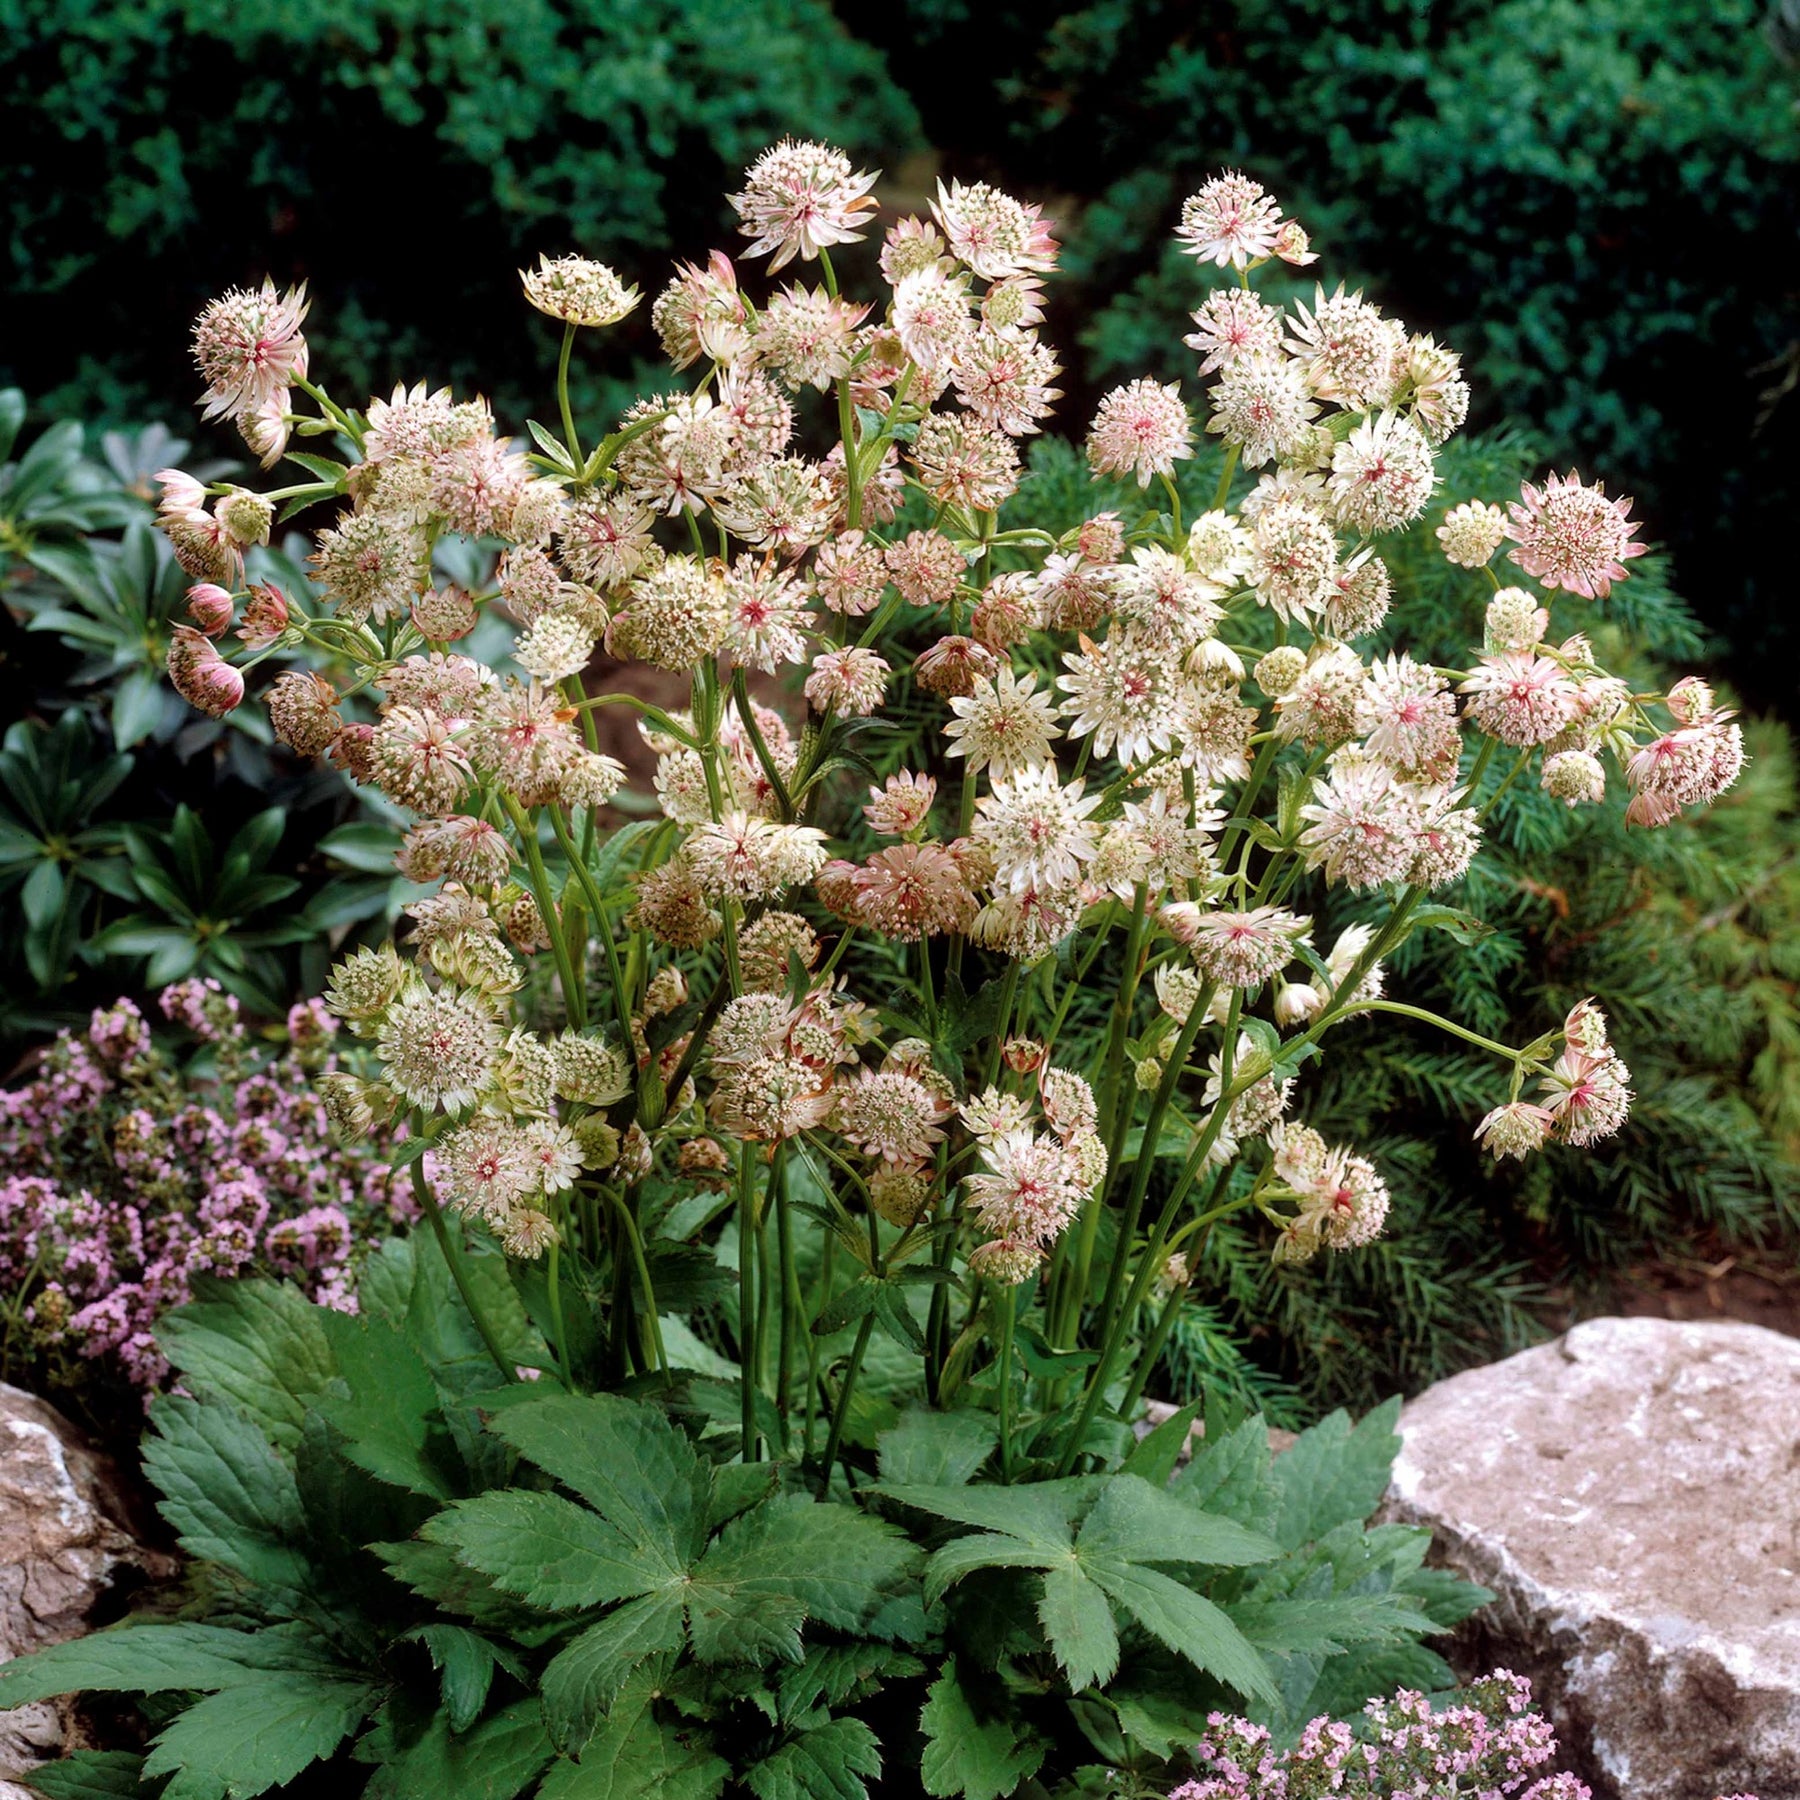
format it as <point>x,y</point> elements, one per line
<point>1631,1493</point>
<point>63,1547</point>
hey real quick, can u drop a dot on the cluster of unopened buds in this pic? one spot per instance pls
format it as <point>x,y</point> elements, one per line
<point>1175,661</point>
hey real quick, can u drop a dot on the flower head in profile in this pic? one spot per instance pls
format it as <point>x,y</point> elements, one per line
<point>801,198</point>
<point>1237,949</point>
<point>250,349</point>
<point>578,291</point>
<point>1572,536</point>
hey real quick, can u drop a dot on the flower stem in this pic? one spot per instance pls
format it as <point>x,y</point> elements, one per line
<point>562,395</point>
<point>428,1204</point>
<point>1009,1300</point>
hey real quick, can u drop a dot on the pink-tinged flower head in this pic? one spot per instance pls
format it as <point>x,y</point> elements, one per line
<point>578,291</point>
<point>1588,1096</point>
<point>1381,475</point>
<point>1237,949</point>
<point>954,666</point>
<point>1231,220</point>
<point>1516,1129</point>
<point>1038,831</point>
<point>1027,1191</point>
<point>201,676</point>
<point>1232,323</point>
<point>1518,698</point>
<point>249,348</point>
<point>891,1115</point>
<point>801,198</point>
<point>909,891</point>
<point>850,682</point>
<point>902,806</point>
<point>1141,429</point>
<point>1689,766</point>
<point>993,234</point>
<point>701,313</point>
<point>1572,536</point>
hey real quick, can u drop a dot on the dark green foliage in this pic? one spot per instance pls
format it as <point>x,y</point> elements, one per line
<point>396,156</point>
<point>1593,200</point>
<point>412,1576</point>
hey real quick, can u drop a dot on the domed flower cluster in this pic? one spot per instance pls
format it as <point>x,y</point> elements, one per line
<point>1163,734</point>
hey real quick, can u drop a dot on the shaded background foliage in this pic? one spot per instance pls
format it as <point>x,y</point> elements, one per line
<point>1595,200</point>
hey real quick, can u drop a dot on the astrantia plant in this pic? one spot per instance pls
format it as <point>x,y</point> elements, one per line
<point>136,1163</point>
<point>767,1100</point>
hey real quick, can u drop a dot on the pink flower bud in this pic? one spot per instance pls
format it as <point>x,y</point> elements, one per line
<point>210,607</point>
<point>201,675</point>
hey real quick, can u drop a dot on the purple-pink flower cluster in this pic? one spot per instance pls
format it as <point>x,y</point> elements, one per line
<point>1489,1746</point>
<point>128,1168</point>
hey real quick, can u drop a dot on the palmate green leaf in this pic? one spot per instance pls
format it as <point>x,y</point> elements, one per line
<point>1188,1623</point>
<point>466,1661</point>
<point>827,1763</point>
<point>1230,1477</point>
<point>1335,1473</point>
<point>968,1754</point>
<point>986,1550</point>
<point>1078,1624</point>
<point>383,1405</point>
<point>433,1572</point>
<point>258,1346</point>
<point>1041,1514</point>
<point>89,1775</point>
<point>839,1675</point>
<point>636,1754</point>
<point>582,1682</point>
<point>1135,1522</point>
<point>627,1461</point>
<point>840,1564</point>
<point>936,1449</point>
<point>151,1659</point>
<point>228,1495</point>
<point>547,1550</point>
<point>496,1760</point>
<point>254,1736</point>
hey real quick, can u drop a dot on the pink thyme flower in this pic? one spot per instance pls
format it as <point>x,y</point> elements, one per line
<point>1572,536</point>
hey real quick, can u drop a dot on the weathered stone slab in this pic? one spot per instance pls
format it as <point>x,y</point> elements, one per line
<point>1631,1493</point>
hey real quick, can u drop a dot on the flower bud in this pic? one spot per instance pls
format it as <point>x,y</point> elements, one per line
<point>201,676</point>
<point>1515,621</point>
<point>1297,1003</point>
<point>1278,670</point>
<point>1575,777</point>
<point>1023,1055</point>
<point>244,517</point>
<point>444,614</point>
<point>1690,700</point>
<point>210,607</point>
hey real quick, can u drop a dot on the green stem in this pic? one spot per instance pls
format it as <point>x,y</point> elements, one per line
<point>574,993</point>
<point>562,395</point>
<point>557,1323</point>
<point>453,1256</point>
<point>840,1411</point>
<point>602,923</point>
<point>790,1286</point>
<point>1431,1018</point>
<point>740,695</point>
<point>1009,1301</point>
<point>749,1343</point>
<point>640,1262</point>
